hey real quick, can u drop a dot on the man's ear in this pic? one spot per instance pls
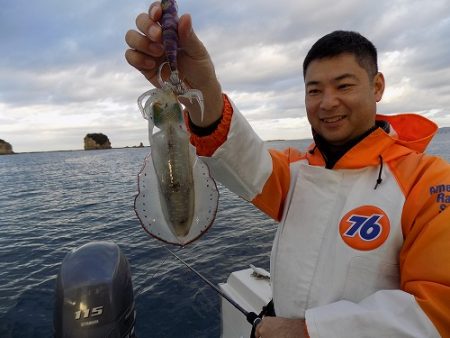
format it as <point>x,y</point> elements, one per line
<point>378,86</point>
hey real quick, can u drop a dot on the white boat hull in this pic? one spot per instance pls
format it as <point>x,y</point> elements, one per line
<point>249,291</point>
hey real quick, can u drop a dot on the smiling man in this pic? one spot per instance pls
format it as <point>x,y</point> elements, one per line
<point>340,97</point>
<point>342,87</point>
<point>362,243</point>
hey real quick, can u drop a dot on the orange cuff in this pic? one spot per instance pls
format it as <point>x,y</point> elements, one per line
<point>207,145</point>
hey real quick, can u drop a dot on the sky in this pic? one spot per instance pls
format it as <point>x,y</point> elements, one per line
<point>63,73</point>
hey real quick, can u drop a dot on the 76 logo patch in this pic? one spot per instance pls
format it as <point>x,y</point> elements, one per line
<point>365,228</point>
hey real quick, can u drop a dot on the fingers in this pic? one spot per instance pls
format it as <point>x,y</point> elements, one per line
<point>155,11</point>
<point>139,60</point>
<point>149,27</point>
<point>149,24</point>
<point>146,50</point>
<point>142,44</point>
<point>149,38</point>
<point>148,66</point>
<point>144,55</point>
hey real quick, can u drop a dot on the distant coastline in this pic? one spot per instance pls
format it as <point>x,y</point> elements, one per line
<point>442,130</point>
<point>73,150</point>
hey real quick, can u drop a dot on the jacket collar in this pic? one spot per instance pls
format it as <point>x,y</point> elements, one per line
<point>407,133</point>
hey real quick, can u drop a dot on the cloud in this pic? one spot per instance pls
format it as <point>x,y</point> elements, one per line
<point>63,73</point>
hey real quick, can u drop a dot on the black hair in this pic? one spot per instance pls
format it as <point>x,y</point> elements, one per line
<point>341,42</point>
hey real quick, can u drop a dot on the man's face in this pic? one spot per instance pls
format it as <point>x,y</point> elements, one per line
<point>340,98</point>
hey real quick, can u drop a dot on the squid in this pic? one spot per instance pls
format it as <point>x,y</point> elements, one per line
<point>177,199</point>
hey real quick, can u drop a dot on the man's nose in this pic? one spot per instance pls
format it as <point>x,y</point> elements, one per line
<point>329,100</point>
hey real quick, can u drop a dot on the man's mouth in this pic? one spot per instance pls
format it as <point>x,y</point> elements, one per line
<point>332,119</point>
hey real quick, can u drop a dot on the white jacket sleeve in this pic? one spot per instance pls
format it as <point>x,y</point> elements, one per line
<point>251,162</point>
<point>386,313</point>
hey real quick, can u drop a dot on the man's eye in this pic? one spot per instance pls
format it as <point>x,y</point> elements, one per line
<point>313,91</point>
<point>345,85</point>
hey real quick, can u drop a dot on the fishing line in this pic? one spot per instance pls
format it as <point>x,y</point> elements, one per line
<point>157,270</point>
<point>159,267</point>
<point>251,317</point>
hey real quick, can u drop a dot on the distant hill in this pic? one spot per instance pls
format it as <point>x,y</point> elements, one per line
<point>96,141</point>
<point>5,148</point>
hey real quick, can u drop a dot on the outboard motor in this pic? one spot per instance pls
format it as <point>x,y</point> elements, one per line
<point>94,294</point>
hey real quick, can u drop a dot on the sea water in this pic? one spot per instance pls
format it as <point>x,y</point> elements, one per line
<point>53,202</point>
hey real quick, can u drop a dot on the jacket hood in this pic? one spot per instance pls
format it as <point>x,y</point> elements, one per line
<point>411,130</point>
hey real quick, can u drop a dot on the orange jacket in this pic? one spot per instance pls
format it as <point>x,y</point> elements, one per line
<point>424,182</point>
